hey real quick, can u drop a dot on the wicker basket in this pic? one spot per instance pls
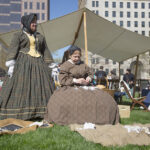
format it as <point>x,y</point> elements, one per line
<point>124,111</point>
<point>111,92</point>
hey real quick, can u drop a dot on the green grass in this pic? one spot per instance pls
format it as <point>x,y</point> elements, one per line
<point>61,138</point>
<point>56,138</point>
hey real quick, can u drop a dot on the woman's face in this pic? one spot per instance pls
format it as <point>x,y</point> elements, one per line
<point>33,25</point>
<point>75,57</point>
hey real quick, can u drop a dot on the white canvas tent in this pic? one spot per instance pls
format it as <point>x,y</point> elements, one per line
<point>103,37</point>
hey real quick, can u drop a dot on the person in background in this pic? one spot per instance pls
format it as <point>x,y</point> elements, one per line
<point>29,85</point>
<point>101,76</point>
<point>129,79</point>
<point>113,80</point>
<point>147,94</point>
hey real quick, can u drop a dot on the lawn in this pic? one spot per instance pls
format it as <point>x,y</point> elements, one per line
<point>61,138</point>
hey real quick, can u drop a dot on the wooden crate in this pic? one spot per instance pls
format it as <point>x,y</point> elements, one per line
<point>124,111</point>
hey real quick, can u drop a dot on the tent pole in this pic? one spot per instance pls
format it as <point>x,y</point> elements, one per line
<point>42,30</point>
<point>4,43</point>
<point>78,29</point>
<point>119,71</point>
<point>85,39</point>
<point>136,69</point>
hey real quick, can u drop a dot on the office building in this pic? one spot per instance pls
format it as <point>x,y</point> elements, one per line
<point>133,15</point>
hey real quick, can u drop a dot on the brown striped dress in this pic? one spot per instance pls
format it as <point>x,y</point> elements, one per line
<point>25,95</point>
<point>79,104</point>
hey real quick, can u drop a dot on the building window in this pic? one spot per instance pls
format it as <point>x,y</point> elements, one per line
<point>143,14</point>
<point>38,16</point>
<point>135,14</point>
<point>114,21</point>
<point>113,13</point>
<point>142,5</point>
<point>43,6</point>
<point>149,33</point>
<point>37,5</point>
<point>97,60</point>
<point>121,72</point>
<point>30,5</point>
<point>121,23</point>
<point>114,62</point>
<point>114,70</point>
<point>149,14</point>
<point>135,24</point>
<point>148,5</point>
<point>106,13</point>
<point>149,72</point>
<point>97,3</point>
<point>135,5</point>
<point>143,24</point>
<point>25,5</point>
<point>106,4</point>
<point>97,12</point>
<point>93,60</point>
<point>43,16</point>
<point>143,32</point>
<point>106,61</point>
<point>121,4</point>
<point>128,14</point>
<point>149,24</point>
<point>128,4</point>
<point>136,31</point>
<point>121,14</point>
<point>107,71</point>
<point>93,3</point>
<point>128,23</point>
<point>114,4</point>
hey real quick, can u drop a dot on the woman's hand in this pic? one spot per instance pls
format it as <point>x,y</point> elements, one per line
<point>88,79</point>
<point>81,81</point>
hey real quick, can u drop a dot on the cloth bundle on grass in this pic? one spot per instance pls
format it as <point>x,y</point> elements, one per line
<point>16,126</point>
<point>115,135</point>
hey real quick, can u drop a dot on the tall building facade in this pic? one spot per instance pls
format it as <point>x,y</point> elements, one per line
<point>133,15</point>
<point>40,7</point>
<point>12,10</point>
<point>10,14</point>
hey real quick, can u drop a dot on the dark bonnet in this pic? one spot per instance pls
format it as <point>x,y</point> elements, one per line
<point>26,21</point>
<point>73,48</point>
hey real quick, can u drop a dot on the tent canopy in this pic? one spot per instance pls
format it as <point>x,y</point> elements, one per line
<point>104,38</point>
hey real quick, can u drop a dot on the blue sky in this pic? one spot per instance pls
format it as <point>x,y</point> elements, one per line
<point>60,8</point>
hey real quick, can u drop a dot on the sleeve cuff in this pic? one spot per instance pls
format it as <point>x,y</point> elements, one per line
<point>74,80</point>
<point>10,63</point>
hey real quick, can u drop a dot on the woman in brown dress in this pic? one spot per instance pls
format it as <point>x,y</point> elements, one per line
<point>26,91</point>
<point>76,101</point>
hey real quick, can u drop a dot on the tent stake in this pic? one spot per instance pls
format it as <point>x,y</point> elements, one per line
<point>85,39</point>
<point>136,69</point>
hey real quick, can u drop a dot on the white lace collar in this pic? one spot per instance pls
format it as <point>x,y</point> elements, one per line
<point>71,61</point>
